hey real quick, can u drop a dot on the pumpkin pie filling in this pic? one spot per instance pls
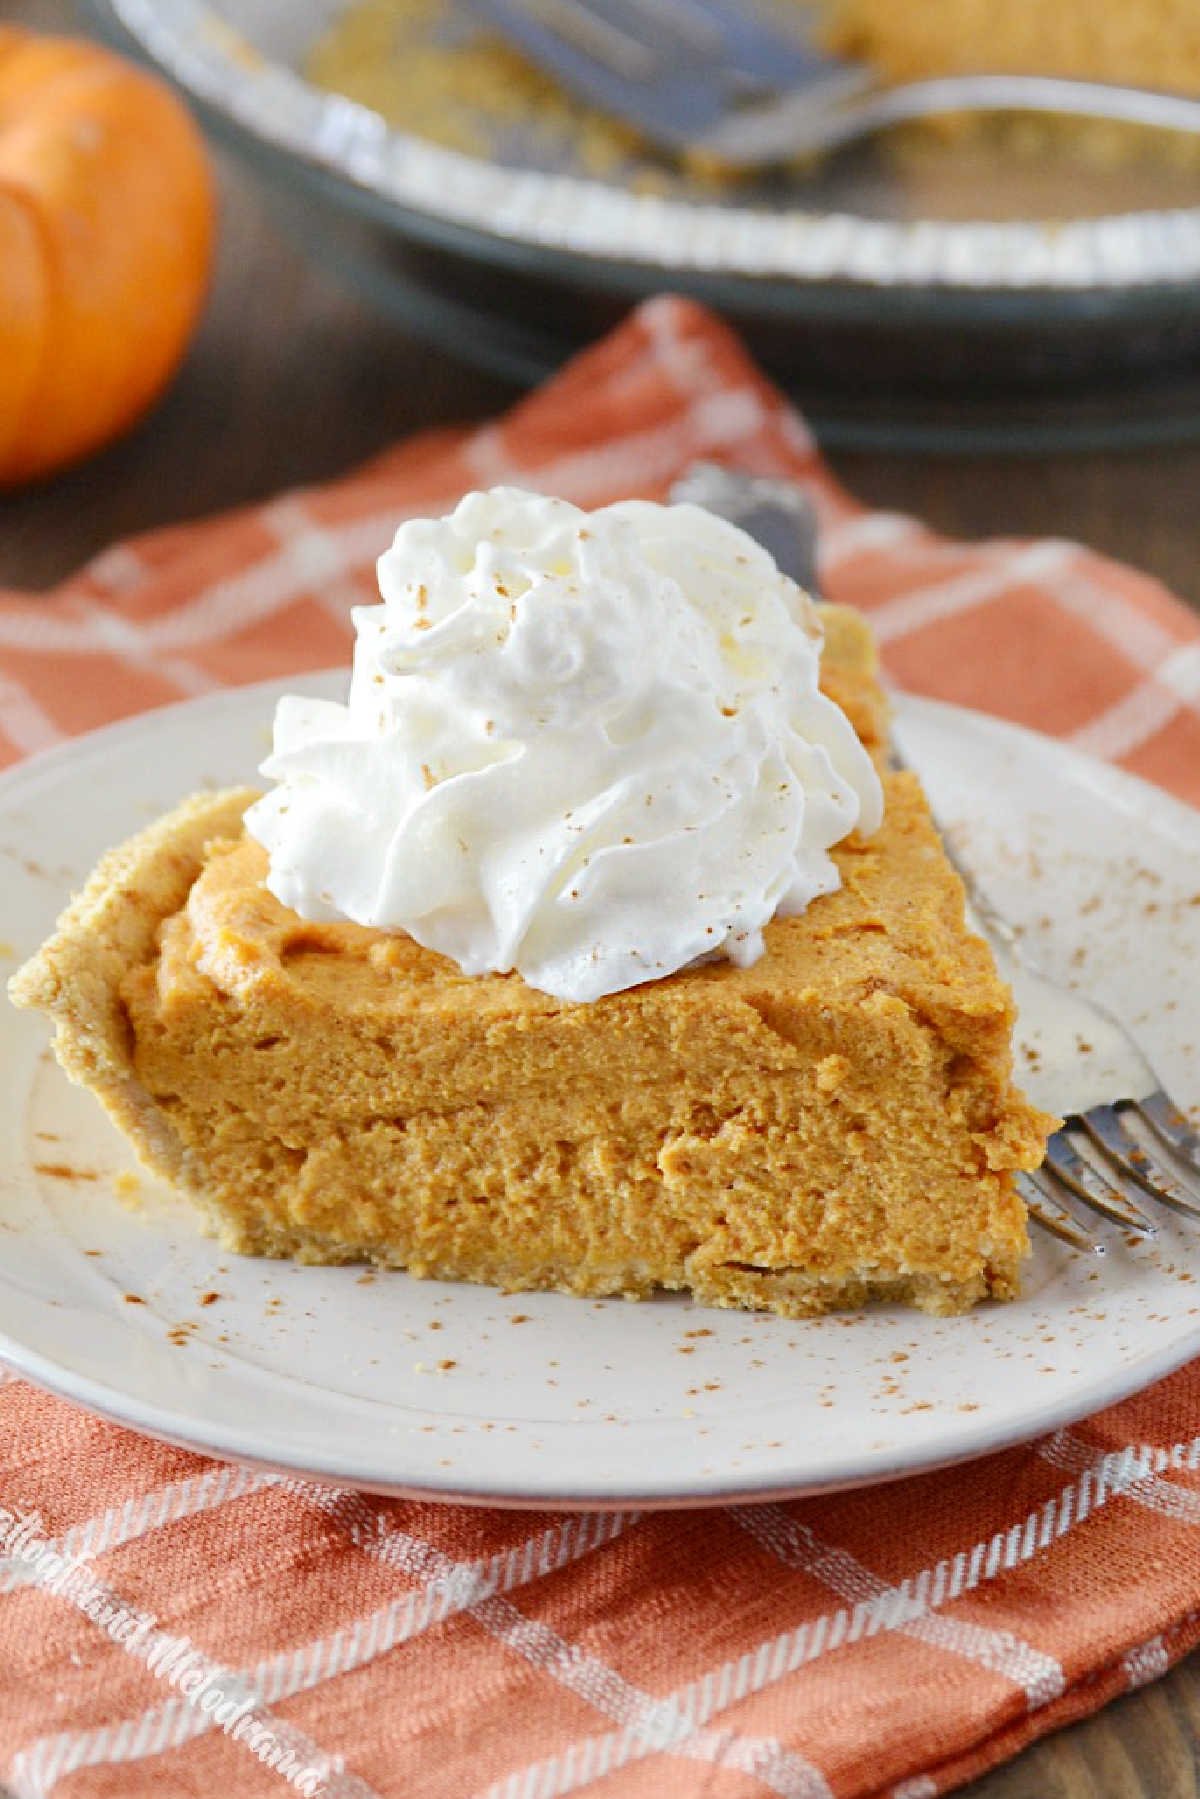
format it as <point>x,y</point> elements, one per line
<point>834,1123</point>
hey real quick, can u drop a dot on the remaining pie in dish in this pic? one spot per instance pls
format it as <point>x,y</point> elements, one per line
<point>1154,44</point>
<point>832,1124</point>
<point>473,92</point>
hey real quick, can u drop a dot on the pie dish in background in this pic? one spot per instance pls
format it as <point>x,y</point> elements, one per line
<point>954,296</point>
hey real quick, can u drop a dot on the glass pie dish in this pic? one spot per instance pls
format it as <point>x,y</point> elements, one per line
<point>943,293</point>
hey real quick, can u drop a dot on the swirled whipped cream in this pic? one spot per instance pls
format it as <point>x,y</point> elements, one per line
<point>589,747</point>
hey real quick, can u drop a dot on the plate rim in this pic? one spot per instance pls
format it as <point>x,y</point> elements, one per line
<point>861,1469</point>
<point>443,191</point>
<point>40,1372</point>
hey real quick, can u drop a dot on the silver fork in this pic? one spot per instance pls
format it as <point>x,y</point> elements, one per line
<point>1110,1156</point>
<point>709,77</point>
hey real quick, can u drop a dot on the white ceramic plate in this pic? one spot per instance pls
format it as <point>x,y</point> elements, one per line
<point>459,1392</point>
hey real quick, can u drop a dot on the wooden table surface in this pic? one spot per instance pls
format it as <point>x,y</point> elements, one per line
<point>291,381</point>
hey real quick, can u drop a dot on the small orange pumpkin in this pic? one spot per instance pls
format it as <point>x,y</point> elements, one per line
<point>107,221</point>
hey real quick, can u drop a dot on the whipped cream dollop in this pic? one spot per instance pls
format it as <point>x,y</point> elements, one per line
<point>587,746</point>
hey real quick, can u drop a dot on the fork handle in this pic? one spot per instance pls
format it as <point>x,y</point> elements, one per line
<point>802,123</point>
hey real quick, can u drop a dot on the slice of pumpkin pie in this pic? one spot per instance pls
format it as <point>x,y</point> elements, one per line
<point>589,947</point>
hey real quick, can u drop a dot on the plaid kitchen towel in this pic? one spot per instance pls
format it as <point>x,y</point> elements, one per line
<point>240,1628</point>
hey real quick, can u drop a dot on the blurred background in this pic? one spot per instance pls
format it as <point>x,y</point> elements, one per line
<point>994,322</point>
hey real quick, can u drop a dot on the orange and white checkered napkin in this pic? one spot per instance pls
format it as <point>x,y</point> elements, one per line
<point>896,1641</point>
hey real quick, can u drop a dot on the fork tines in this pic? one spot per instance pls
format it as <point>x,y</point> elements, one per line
<point>1103,1161</point>
<point>678,69</point>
